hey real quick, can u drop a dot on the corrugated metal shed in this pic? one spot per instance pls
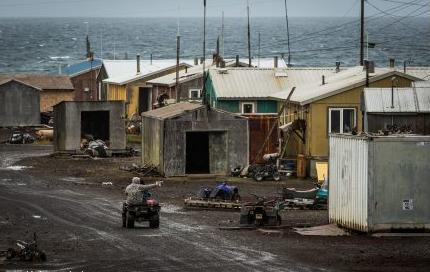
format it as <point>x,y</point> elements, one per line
<point>406,100</point>
<point>419,72</point>
<point>82,67</point>
<point>172,110</point>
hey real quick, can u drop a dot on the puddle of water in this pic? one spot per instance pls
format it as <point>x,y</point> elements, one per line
<point>170,208</point>
<point>18,167</point>
<point>72,179</point>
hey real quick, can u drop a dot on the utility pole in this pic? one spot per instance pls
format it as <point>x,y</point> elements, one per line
<point>259,48</point>
<point>222,36</point>
<point>249,35</point>
<point>288,34</point>
<point>204,41</point>
<point>178,47</point>
<point>362,33</point>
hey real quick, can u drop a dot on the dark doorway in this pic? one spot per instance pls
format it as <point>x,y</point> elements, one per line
<point>197,155</point>
<point>96,124</point>
<point>143,100</point>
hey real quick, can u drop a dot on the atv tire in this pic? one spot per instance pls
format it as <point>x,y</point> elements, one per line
<point>276,177</point>
<point>258,177</point>
<point>129,224</point>
<point>124,220</point>
<point>155,222</point>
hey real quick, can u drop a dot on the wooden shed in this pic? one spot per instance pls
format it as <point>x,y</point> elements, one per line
<point>188,138</point>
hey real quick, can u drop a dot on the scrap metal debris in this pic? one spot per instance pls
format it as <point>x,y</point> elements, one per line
<point>146,170</point>
<point>26,251</point>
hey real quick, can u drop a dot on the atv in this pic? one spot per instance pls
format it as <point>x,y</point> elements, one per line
<point>261,213</point>
<point>149,210</point>
<point>222,191</point>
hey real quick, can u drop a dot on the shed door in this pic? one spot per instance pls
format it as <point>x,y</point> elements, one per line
<point>218,153</point>
<point>143,100</point>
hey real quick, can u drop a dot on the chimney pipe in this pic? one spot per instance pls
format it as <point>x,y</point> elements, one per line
<point>337,66</point>
<point>151,58</point>
<point>222,64</point>
<point>196,61</point>
<point>323,80</point>
<point>138,63</point>
<point>392,63</point>
<point>201,60</point>
<point>275,60</point>
<point>237,60</point>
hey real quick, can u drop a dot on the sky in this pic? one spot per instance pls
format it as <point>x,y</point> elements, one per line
<point>194,8</point>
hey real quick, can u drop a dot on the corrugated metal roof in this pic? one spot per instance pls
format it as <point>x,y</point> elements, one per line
<point>124,71</point>
<point>173,110</point>
<point>421,84</point>
<point>419,72</point>
<point>82,67</point>
<point>246,82</point>
<point>405,100</point>
<point>196,71</point>
<point>44,82</point>
<point>335,83</point>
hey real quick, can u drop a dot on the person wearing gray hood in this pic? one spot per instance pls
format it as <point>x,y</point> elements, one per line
<point>135,192</point>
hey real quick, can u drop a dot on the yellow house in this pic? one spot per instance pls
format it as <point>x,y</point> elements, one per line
<point>127,82</point>
<point>332,105</point>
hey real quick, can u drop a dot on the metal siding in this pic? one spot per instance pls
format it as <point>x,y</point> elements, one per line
<point>348,182</point>
<point>267,106</point>
<point>229,105</point>
<point>371,176</point>
<point>401,172</point>
<point>423,98</point>
<point>259,128</point>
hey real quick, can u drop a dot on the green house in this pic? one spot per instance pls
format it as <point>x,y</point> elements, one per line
<point>245,90</point>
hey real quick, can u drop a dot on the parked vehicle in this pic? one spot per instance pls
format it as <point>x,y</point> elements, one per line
<point>28,251</point>
<point>19,137</point>
<point>268,170</point>
<point>261,213</point>
<point>222,191</point>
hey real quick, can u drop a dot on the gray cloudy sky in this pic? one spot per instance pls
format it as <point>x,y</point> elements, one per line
<point>193,8</point>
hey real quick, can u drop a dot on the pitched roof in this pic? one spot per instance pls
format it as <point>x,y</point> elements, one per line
<point>124,71</point>
<point>82,67</point>
<point>44,82</point>
<point>337,83</point>
<point>405,100</point>
<point>173,110</point>
<point>20,82</point>
<point>419,72</point>
<point>259,83</point>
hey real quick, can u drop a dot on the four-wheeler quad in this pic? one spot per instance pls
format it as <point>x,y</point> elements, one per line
<point>268,170</point>
<point>222,191</point>
<point>261,213</point>
<point>149,210</point>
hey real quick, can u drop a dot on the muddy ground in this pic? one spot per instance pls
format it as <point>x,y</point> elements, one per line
<point>78,223</point>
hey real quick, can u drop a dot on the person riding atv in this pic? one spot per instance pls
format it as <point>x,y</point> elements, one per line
<point>139,206</point>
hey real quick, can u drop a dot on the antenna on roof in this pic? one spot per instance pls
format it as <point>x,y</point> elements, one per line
<point>288,34</point>
<point>249,35</point>
<point>259,48</point>
<point>114,49</point>
<point>101,45</point>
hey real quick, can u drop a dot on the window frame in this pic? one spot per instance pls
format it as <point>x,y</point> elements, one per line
<point>341,109</point>
<point>194,90</point>
<point>242,105</point>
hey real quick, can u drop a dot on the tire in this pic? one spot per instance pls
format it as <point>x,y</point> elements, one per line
<point>276,177</point>
<point>155,222</point>
<point>124,220</point>
<point>129,221</point>
<point>258,177</point>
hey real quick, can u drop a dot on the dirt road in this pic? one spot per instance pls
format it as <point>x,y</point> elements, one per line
<point>78,224</point>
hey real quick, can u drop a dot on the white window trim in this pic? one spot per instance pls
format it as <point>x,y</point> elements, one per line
<point>341,118</point>
<point>193,90</point>
<point>242,104</point>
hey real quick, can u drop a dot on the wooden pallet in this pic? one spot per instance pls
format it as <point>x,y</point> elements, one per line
<point>212,204</point>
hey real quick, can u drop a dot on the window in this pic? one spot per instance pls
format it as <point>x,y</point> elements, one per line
<point>195,94</point>
<point>248,107</point>
<point>341,120</point>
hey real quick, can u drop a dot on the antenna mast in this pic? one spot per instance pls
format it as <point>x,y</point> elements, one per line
<point>222,36</point>
<point>249,35</point>
<point>288,34</point>
<point>204,41</point>
<point>362,33</point>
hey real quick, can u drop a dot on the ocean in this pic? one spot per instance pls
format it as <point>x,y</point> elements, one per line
<point>43,45</point>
